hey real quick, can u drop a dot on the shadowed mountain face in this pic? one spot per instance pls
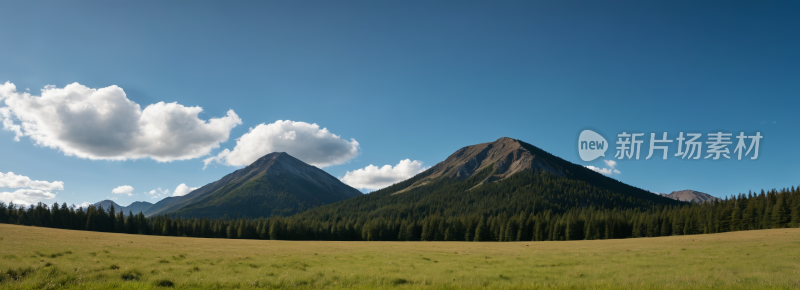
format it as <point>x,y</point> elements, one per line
<point>691,196</point>
<point>274,185</point>
<point>134,208</point>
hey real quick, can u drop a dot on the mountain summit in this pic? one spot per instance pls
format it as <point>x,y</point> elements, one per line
<point>506,157</point>
<point>689,195</point>
<point>275,184</point>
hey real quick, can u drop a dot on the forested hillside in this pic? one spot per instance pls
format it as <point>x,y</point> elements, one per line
<point>505,190</point>
<point>772,209</point>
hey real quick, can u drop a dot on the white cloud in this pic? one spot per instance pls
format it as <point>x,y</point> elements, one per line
<point>304,141</point>
<point>373,177</point>
<point>26,196</point>
<point>182,190</point>
<point>31,192</point>
<point>610,170</point>
<point>158,193</point>
<point>103,124</point>
<point>85,204</point>
<point>11,180</point>
<point>123,189</point>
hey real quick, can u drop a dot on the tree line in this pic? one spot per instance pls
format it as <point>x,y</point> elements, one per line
<point>751,211</point>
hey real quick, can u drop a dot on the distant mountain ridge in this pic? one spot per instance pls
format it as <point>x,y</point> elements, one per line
<point>689,195</point>
<point>474,178</point>
<point>275,184</point>
<point>134,208</point>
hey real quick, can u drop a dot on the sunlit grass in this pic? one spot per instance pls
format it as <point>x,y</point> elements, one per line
<point>38,258</point>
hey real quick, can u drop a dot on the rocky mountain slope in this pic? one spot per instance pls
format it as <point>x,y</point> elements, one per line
<point>689,195</point>
<point>276,184</point>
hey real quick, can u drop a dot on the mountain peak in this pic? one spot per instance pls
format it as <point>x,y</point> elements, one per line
<point>507,155</point>
<point>275,184</point>
<point>689,195</point>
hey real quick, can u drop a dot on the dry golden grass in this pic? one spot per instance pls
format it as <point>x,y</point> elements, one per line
<point>88,260</point>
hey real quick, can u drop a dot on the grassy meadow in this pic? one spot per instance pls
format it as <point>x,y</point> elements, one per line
<point>44,258</point>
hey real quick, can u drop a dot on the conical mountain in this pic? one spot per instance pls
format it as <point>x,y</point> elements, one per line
<point>505,157</point>
<point>276,184</point>
<point>505,176</point>
<point>689,195</point>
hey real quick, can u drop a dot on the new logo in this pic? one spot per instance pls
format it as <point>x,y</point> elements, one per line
<point>591,145</point>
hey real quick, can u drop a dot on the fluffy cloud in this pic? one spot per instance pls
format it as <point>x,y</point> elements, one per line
<point>606,171</point>
<point>11,180</point>
<point>26,196</point>
<point>182,190</point>
<point>123,189</point>
<point>103,124</point>
<point>31,192</point>
<point>373,177</point>
<point>304,141</point>
<point>85,204</point>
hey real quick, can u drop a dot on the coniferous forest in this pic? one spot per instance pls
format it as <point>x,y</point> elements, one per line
<point>526,207</point>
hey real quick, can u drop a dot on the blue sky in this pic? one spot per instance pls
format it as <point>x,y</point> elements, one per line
<point>415,80</point>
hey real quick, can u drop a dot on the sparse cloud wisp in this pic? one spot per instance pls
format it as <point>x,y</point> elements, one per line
<point>610,170</point>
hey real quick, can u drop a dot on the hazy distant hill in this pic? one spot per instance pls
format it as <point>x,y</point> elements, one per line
<point>690,196</point>
<point>274,185</point>
<point>505,176</point>
<point>136,207</point>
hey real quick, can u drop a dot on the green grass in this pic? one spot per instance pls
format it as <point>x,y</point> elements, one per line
<point>41,258</point>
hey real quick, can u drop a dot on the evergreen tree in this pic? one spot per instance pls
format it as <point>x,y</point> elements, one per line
<point>796,211</point>
<point>736,219</point>
<point>275,230</point>
<point>781,214</point>
<point>481,231</point>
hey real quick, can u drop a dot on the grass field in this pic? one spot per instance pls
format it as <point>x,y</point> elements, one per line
<point>50,258</point>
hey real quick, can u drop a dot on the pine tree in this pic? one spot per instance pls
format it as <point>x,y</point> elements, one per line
<point>275,230</point>
<point>440,230</point>
<point>264,234</point>
<point>481,231</point>
<point>470,232</point>
<point>736,219</point>
<point>165,229</point>
<point>781,214</point>
<point>666,227</point>
<point>112,215</point>
<point>796,211</point>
